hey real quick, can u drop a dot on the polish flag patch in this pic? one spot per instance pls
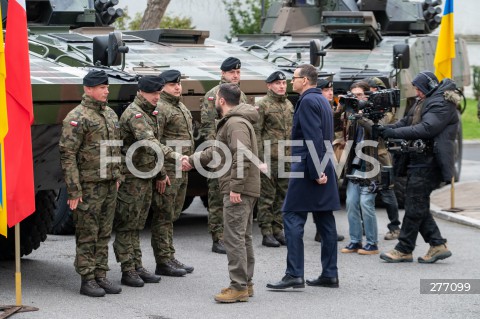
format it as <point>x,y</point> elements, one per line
<point>211,98</point>
<point>155,112</point>
<point>74,123</point>
<point>138,115</point>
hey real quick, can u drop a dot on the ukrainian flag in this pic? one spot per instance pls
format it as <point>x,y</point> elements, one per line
<point>3,133</point>
<point>446,44</point>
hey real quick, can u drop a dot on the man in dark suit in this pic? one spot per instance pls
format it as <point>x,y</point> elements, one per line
<point>312,186</point>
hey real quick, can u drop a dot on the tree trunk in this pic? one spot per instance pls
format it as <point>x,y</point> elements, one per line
<point>153,14</point>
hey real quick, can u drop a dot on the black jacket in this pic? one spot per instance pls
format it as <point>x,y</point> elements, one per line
<point>439,123</point>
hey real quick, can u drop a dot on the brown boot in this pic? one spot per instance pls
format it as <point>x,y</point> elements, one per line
<point>230,295</point>
<point>395,256</point>
<point>435,253</point>
<point>250,289</point>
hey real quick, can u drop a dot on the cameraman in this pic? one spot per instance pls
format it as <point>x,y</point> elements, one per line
<point>360,198</point>
<point>387,195</point>
<point>434,120</point>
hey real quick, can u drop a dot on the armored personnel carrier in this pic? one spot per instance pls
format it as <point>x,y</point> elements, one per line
<point>70,37</point>
<point>351,40</point>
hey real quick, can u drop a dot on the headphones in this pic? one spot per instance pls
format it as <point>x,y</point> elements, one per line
<point>432,84</point>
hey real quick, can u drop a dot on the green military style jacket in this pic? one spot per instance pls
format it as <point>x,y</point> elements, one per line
<point>84,129</point>
<point>275,122</point>
<point>174,123</point>
<point>209,113</point>
<point>139,123</point>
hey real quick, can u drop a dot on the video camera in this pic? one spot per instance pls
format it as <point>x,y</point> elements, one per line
<point>374,186</point>
<point>378,103</point>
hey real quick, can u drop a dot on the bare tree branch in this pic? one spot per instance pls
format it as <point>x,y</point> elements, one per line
<point>153,14</point>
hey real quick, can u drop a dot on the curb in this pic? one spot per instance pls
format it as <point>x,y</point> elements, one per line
<point>453,217</point>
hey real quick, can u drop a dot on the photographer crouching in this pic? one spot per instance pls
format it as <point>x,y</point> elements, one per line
<point>430,126</point>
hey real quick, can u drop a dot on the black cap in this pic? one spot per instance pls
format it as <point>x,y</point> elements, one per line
<point>171,76</point>
<point>150,83</point>
<point>275,76</point>
<point>230,63</point>
<point>94,78</point>
<point>324,84</point>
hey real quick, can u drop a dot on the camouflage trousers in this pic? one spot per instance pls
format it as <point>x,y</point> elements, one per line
<point>215,209</point>
<point>133,204</point>
<point>269,207</point>
<point>166,209</point>
<point>93,220</point>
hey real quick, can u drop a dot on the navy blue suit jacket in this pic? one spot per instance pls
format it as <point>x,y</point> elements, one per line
<point>312,121</point>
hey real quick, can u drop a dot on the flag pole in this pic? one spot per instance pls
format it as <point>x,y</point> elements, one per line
<point>18,273</point>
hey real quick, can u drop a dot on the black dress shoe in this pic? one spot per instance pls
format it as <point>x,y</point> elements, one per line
<point>280,237</point>
<point>168,268</point>
<point>270,241</point>
<point>329,282</point>
<point>288,282</point>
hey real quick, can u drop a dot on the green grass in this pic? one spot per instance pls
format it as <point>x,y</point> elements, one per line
<point>470,122</point>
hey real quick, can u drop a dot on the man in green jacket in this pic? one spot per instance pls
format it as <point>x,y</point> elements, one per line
<point>239,184</point>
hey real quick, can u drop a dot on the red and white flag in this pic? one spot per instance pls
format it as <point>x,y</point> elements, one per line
<point>18,141</point>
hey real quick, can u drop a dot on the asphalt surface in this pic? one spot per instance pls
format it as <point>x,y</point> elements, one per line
<point>369,288</point>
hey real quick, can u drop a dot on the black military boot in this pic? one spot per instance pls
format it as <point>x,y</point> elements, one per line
<point>219,247</point>
<point>91,288</point>
<point>147,276</point>
<point>168,268</point>
<point>181,265</point>
<point>108,286</point>
<point>280,237</point>
<point>131,278</point>
<point>270,241</point>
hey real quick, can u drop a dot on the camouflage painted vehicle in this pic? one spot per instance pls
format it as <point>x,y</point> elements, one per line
<point>67,39</point>
<point>350,40</point>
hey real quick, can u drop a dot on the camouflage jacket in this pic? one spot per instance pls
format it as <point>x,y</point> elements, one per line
<point>84,129</point>
<point>139,123</point>
<point>209,113</point>
<point>275,122</point>
<point>174,123</point>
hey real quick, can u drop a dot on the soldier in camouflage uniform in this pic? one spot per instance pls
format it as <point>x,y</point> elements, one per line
<point>274,125</point>
<point>92,189</point>
<point>230,74</point>
<point>138,123</point>
<point>174,124</point>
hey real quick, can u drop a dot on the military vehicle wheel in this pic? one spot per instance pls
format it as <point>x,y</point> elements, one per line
<point>62,218</point>
<point>33,229</point>
<point>188,201</point>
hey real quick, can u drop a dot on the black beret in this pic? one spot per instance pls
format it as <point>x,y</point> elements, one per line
<point>275,76</point>
<point>324,84</point>
<point>94,78</point>
<point>231,63</point>
<point>171,76</point>
<point>150,83</point>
